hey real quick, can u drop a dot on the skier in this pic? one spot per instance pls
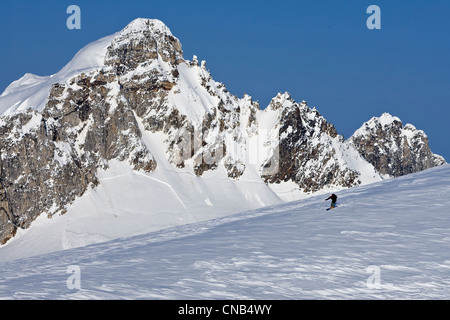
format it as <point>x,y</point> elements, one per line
<point>333,198</point>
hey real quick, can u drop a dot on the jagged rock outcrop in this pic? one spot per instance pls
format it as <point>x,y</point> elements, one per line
<point>393,149</point>
<point>138,81</point>
<point>140,43</point>
<point>51,157</point>
<point>309,151</point>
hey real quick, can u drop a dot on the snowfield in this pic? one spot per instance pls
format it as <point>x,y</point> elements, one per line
<point>31,91</point>
<point>387,240</point>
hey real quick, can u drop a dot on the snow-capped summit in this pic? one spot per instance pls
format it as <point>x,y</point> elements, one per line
<point>31,91</point>
<point>385,120</point>
<point>281,100</point>
<point>141,41</point>
<point>139,25</point>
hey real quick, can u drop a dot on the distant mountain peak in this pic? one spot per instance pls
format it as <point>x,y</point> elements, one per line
<point>141,41</point>
<point>394,149</point>
<point>385,120</point>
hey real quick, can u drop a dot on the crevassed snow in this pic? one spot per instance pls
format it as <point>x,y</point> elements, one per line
<point>388,240</point>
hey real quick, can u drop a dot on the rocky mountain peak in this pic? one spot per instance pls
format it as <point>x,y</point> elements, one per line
<point>140,25</point>
<point>394,149</point>
<point>142,41</point>
<point>376,124</point>
<point>281,100</point>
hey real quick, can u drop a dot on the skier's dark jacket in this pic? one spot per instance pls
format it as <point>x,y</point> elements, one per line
<point>333,198</point>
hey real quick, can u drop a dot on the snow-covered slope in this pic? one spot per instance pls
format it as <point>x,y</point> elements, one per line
<point>129,202</point>
<point>388,240</point>
<point>31,91</point>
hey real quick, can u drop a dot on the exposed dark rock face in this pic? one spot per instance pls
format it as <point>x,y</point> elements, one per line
<point>394,149</point>
<point>50,158</point>
<point>307,151</point>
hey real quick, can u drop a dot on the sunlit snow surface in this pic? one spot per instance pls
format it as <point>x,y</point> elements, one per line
<point>31,91</point>
<point>296,250</point>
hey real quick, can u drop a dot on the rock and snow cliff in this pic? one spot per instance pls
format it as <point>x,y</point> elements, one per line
<point>393,149</point>
<point>133,98</point>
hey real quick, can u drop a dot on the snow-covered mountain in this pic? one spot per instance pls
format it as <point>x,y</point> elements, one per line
<point>309,151</point>
<point>394,149</point>
<point>131,135</point>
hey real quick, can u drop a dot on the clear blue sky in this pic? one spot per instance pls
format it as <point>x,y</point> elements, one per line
<point>320,51</point>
